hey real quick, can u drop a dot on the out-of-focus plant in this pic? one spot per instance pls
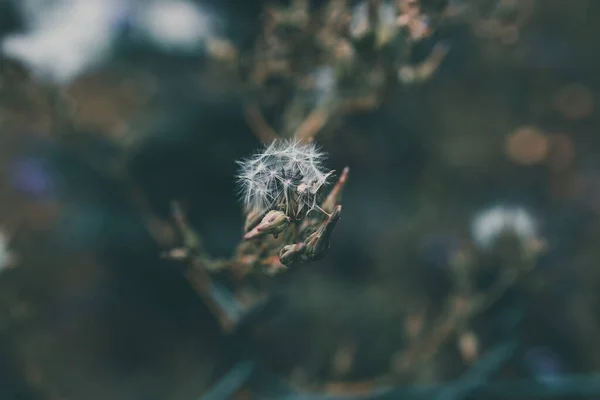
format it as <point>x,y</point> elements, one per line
<point>497,258</point>
<point>339,58</point>
<point>314,64</point>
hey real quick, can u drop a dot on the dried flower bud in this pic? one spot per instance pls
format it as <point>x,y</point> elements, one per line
<point>335,196</point>
<point>274,222</point>
<point>253,218</point>
<point>317,243</point>
<point>292,254</point>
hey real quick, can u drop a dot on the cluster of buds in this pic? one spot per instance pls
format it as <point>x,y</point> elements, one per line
<point>289,222</point>
<point>338,57</point>
<point>286,221</point>
<point>313,64</point>
<point>338,35</point>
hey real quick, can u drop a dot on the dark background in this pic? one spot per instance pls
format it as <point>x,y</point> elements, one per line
<point>92,312</point>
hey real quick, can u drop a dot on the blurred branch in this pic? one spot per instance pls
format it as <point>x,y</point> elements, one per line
<point>259,126</point>
<point>231,382</point>
<point>471,385</point>
<point>312,125</point>
<point>461,308</point>
<point>480,373</point>
<point>573,385</point>
<point>217,298</point>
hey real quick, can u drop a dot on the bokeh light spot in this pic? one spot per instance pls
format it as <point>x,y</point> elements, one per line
<point>527,145</point>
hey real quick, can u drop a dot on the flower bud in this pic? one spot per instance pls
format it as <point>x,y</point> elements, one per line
<point>335,196</point>
<point>273,222</point>
<point>292,254</point>
<point>253,217</point>
<point>317,243</point>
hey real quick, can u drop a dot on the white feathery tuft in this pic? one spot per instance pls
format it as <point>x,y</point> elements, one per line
<point>287,174</point>
<point>489,224</point>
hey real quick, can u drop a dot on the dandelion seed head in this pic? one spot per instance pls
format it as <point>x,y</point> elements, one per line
<point>286,175</point>
<point>488,225</point>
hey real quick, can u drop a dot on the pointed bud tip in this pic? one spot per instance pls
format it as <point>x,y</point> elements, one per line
<point>344,175</point>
